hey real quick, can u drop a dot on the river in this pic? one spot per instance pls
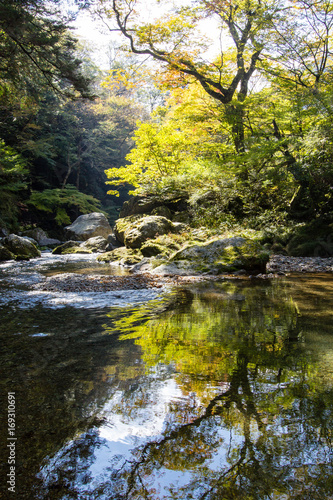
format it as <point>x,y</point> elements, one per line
<point>215,390</point>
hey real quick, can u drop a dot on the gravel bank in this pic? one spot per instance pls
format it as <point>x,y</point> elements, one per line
<point>285,264</point>
<point>71,282</point>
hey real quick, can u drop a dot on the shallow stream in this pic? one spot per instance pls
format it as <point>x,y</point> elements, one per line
<point>218,390</point>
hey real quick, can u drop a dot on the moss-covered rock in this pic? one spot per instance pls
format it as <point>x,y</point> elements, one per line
<point>125,224</point>
<point>22,248</point>
<point>224,255</point>
<point>74,250</point>
<point>65,246</point>
<point>151,248</point>
<point>5,254</point>
<point>145,229</point>
<point>124,256</point>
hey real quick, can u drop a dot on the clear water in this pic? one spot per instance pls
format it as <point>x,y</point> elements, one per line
<point>215,391</point>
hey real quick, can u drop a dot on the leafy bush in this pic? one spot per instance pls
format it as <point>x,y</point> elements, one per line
<point>62,203</point>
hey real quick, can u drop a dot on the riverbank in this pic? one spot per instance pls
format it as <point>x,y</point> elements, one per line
<point>278,265</point>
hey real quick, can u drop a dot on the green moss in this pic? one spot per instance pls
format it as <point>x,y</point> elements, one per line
<point>251,257</point>
<point>74,250</point>
<point>123,255</point>
<point>125,223</point>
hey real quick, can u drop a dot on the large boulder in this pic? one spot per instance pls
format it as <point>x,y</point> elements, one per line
<point>89,225</point>
<point>135,231</point>
<point>165,204</point>
<point>224,255</point>
<point>22,248</point>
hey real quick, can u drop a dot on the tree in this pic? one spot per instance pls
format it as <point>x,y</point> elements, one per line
<point>171,41</point>
<point>37,51</point>
<point>288,44</point>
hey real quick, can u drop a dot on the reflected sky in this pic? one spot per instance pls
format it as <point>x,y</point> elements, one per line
<point>219,390</point>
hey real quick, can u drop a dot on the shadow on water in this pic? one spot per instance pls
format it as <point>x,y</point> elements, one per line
<point>219,391</point>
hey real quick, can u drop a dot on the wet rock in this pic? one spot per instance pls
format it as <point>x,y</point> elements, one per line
<point>89,225</point>
<point>96,244</point>
<point>22,248</point>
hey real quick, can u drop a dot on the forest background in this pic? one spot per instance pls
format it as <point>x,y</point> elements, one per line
<point>241,123</point>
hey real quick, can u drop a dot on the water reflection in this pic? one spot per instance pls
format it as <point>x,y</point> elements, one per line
<point>220,391</point>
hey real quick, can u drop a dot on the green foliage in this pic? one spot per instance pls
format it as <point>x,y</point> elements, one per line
<point>62,202</point>
<point>13,180</point>
<point>37,50</point>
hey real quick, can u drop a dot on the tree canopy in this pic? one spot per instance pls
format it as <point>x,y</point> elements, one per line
<point>37,50</point>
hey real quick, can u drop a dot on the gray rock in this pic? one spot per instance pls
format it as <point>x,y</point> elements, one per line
<point>40,237</point>
<point>113,242</point>
<point>36,233</point>
<point>89,225</point>
<point>22,248</point>
<point>49,242</point>
<point>178,268</point>
<point>34,242</point>
<point>96,244</point>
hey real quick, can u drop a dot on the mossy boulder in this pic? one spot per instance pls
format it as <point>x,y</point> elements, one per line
<point>22,248</point>
<point>151,248</point>
<point>136,231</point>
<point>125,224</point>
<point>224,255</point>
<point>165,204</point>
<point>122,255</point>
<point>5,254</point>
<point>59,250</point>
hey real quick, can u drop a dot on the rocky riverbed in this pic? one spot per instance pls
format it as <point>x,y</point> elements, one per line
<point>278,265</point>
<point>285,264</point>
